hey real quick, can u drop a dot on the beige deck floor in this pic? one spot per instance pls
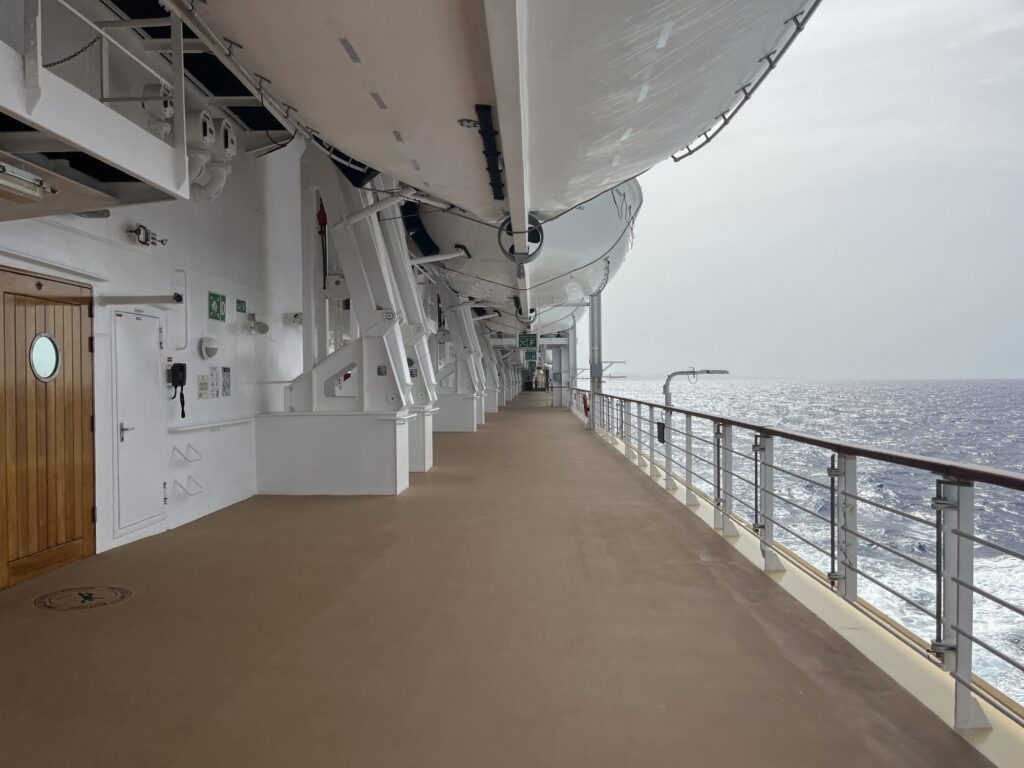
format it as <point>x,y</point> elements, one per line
<point>532,601</point>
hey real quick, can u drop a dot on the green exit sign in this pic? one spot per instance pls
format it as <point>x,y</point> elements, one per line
<point>217,304</point>
<point>527,340</point>
<point>531,355</point>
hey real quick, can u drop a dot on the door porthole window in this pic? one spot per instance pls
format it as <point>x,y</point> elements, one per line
<point>44,357</point>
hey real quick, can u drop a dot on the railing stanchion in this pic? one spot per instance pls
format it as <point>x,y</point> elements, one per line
<point>728,526</point>
<point>670,478</point>
<point>766,454</point>
<point>833,572</point>
<point>610,426</point>
<point>945,563</point>
<point>652,430</point>
<point>955,504</point>
<point>630,453</point>
<point>845,476</point>
<point>691,497</point>
<point>718,475</point>
<point>641,457</point>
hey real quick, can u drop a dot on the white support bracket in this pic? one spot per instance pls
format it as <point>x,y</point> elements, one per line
<point>954,503</point>
<point>728,529</point>
<point>764,452</point>
<point>191,454</point>
<point>190,487</point>
<point>33,52</point>
<point>844,475</point>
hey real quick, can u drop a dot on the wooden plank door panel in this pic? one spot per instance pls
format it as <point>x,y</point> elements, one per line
<point>46,439</point>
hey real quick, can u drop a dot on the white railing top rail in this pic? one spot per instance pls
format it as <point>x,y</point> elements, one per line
<point>975,473</point>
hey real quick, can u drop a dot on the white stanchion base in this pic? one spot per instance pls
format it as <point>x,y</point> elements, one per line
<point>421,438</point>
<point>335,454</point>
<point>491,400</point>
<point>456,413</point>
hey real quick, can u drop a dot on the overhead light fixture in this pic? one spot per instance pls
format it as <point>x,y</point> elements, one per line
<point>20,186</point>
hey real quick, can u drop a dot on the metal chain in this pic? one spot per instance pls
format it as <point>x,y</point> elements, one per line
<point>79,52</point>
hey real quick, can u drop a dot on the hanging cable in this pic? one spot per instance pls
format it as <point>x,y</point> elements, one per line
<point>70,56</point>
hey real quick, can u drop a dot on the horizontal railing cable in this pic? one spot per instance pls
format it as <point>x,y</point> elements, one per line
<point>989,596</point>
<point>892,591</point>
<point>930,568</point>
<point>990,544</point>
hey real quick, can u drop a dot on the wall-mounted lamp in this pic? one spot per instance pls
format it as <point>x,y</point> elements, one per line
<point>257,327</point>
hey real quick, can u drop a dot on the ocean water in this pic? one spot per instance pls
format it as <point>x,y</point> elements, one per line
<point>976,421</point>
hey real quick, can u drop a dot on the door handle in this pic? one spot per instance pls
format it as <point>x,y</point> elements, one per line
<point>122,429</point>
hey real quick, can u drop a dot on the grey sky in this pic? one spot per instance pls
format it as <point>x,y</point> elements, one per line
<point>861,218</point>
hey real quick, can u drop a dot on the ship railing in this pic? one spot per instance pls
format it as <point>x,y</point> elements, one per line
<point>824,506</point>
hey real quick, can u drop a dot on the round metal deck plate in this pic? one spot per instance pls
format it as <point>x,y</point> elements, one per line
<point>78,598</point>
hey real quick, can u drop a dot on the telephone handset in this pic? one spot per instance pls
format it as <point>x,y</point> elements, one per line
<point>178,382</point>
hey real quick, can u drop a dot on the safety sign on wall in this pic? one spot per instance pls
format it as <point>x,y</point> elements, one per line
<point>217,305</point>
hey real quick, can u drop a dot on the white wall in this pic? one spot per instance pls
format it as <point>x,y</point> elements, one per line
<point>246,244</point>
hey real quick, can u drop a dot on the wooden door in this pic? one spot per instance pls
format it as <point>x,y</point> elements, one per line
<point>47,513</point>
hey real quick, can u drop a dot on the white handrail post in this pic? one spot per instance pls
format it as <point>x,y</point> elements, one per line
<point>691,497</point>
<point>845,475</point>
<point>956,506</point>
<point>728,527</point>
<point>766,448</point>
<point>670,480</point>
<point>652,439</point>
<point>945,505</point>
<point>641,458</point>
<point>717,451</point>
<point>627,428</point>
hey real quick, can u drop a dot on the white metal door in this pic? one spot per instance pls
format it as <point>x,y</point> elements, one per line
<point>139,428</point>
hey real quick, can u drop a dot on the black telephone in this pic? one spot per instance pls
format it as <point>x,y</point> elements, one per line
<point>178,382</point>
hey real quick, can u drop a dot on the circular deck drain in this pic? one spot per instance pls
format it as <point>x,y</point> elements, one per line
<point>77,598</point>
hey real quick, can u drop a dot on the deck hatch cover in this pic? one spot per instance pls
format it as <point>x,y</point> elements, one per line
<point>80,598</point>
